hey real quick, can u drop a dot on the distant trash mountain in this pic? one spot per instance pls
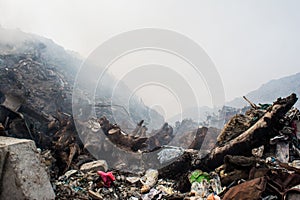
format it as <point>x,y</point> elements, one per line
<point>270,91</point>
<point>42,73</point>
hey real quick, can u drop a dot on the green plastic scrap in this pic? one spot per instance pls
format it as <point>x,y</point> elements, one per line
<point>198,176</point>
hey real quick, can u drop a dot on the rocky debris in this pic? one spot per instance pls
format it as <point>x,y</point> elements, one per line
<point>22,176</point>
<point>94,165</point>
<point>149,180</point>
<point>33,83</point>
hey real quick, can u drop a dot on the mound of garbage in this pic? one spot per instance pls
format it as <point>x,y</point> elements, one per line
<point>255,156</point>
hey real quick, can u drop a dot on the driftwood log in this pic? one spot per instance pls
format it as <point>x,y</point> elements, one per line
<point>137,140</point>
<point>255,136</point>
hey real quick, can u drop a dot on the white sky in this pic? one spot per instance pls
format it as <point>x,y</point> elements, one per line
<point>250,41</point>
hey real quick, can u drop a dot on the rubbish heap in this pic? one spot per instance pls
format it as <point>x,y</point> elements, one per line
<point>267,167</point>
<point>256,155</point>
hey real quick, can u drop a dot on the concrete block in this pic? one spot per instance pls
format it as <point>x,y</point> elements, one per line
<point>21,174</point>
<point>94,166</point>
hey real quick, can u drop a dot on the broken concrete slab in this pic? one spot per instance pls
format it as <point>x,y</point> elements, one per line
<point>98,165</point>
<point>22,176</point>
<point>13,102</point>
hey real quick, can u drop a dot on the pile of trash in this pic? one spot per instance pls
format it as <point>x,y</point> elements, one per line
<point>113,185</point>
<point>271,170</point>
<point>256,155</point>
<point>82,184</point>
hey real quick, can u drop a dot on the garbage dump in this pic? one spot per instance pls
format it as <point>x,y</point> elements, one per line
<point>256,155</point>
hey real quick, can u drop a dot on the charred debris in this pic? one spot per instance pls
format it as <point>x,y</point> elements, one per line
<point>256,155</point>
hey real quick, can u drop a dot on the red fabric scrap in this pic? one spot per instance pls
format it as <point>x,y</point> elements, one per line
<point>107,178</point>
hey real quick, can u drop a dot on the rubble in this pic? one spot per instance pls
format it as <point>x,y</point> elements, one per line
<point>84,185</point>
<point>257,154</point>
<point>149,180</point>
<point>94,166</point>
<point>204,184</point>
<point>22,176</point>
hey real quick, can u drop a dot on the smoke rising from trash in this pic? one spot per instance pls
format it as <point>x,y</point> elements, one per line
<point>149,110</point>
